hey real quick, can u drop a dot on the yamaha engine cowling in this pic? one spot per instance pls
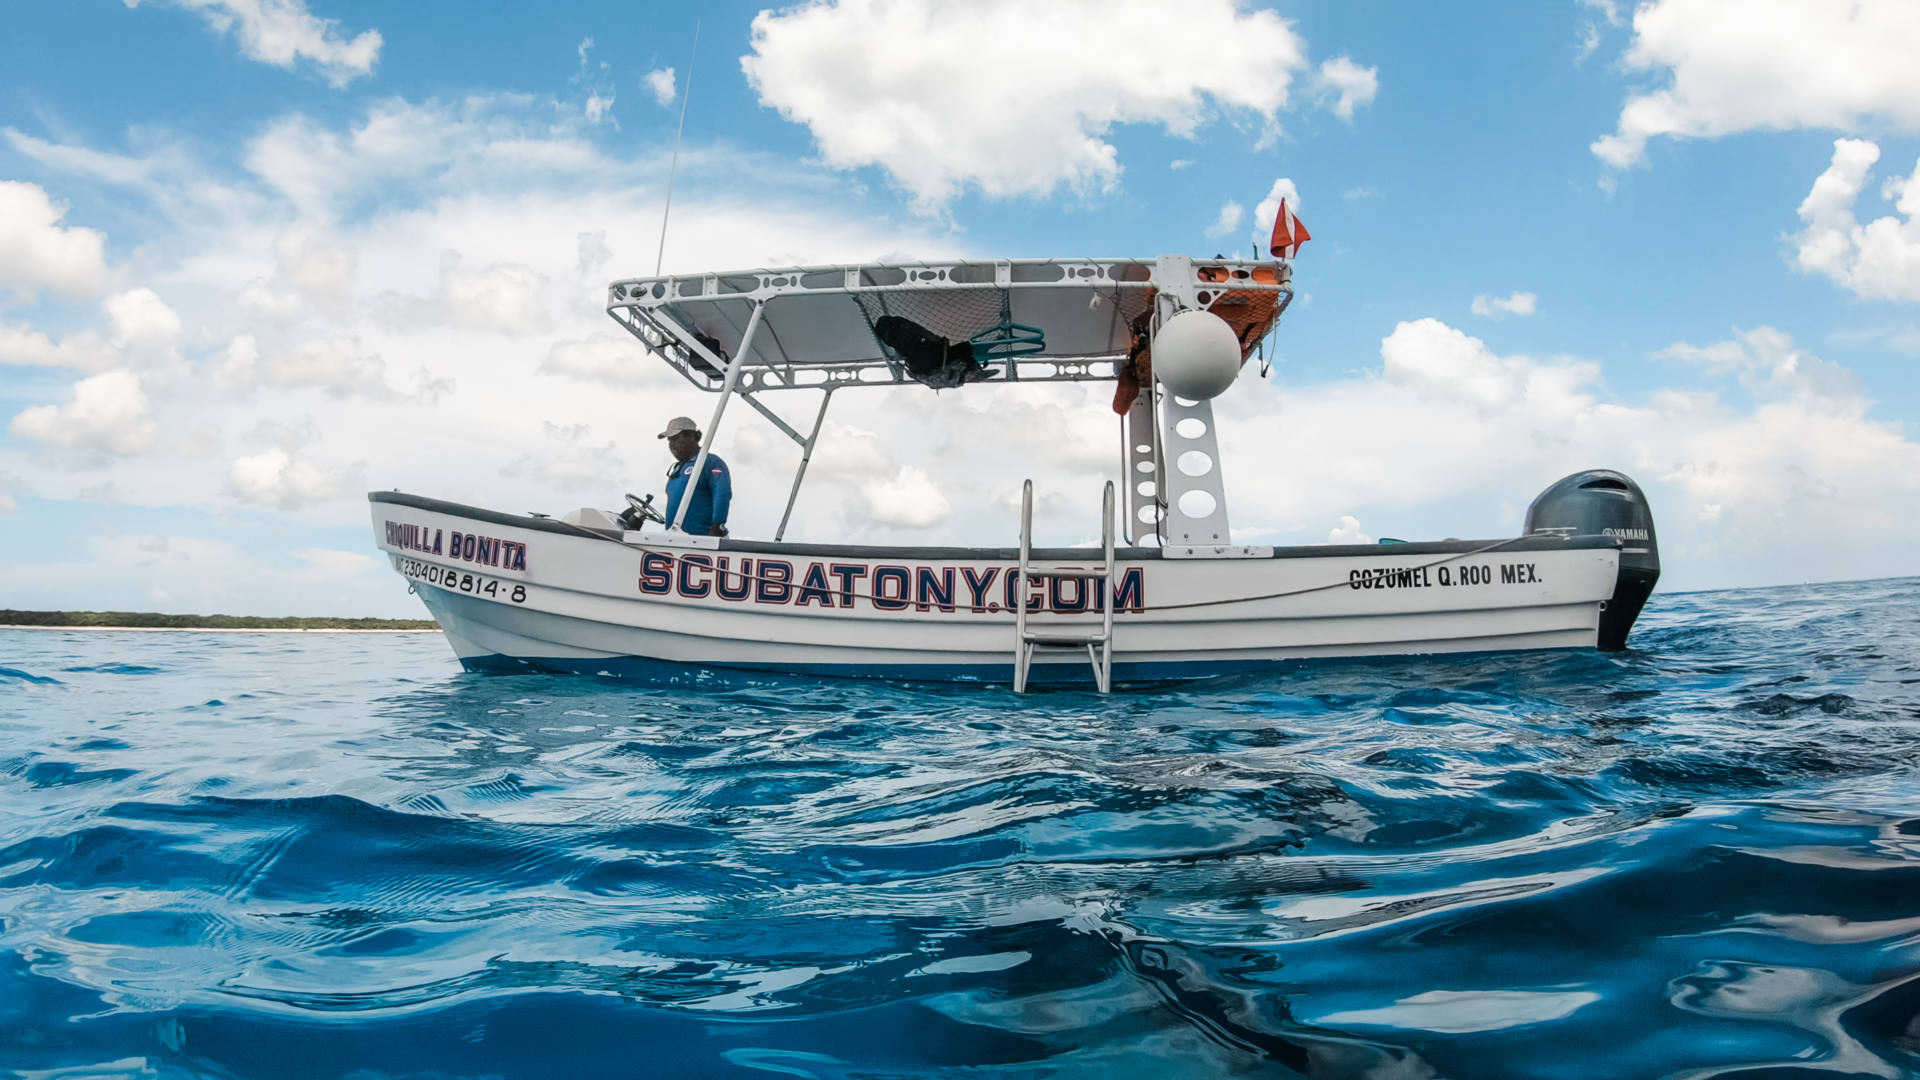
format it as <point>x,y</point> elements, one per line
<point>1601,502</point>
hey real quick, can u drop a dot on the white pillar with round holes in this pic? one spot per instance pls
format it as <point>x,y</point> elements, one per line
<point>1196,499</point>
<point>1140,450</point>
<point>1196,357</point>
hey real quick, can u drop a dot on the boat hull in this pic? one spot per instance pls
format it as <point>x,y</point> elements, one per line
<point>521,593</point>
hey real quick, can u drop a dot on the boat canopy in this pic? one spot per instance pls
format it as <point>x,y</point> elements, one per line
<point>949,324</point>
<point>941,324</point>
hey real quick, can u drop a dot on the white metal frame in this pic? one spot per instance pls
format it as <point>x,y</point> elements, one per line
<point>646,308</point>
<point>719,410</point>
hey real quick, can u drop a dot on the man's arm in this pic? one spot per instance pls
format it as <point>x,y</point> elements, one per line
<point>673,495</point>
<point>722,480</point>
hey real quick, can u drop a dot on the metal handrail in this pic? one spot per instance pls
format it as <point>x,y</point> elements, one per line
<point>1100,651</point>
<point>1023,653</point>
<point>1105,665</point>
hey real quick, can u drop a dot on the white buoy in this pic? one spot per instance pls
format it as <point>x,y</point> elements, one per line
<point>1196,355</point>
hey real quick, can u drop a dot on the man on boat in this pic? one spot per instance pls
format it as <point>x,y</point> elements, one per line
<point>707,513</point>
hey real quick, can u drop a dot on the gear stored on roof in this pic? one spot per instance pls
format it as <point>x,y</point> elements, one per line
<point>929,358</point>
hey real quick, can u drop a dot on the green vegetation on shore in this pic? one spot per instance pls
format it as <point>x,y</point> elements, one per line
<point>149,620</point>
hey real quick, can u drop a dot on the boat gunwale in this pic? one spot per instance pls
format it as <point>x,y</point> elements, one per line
<point>931,553</point>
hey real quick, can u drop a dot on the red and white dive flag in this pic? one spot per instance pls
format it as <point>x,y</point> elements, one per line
<point>1288,233</point>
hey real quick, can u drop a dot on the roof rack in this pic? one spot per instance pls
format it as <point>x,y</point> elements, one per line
<point>949,324</point>
<point>1009,320</point>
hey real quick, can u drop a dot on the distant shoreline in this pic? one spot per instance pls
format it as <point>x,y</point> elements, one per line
<point>221,629</point>
<point>12,619</point>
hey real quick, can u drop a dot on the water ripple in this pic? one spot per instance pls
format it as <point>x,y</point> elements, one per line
<point>241,855</point>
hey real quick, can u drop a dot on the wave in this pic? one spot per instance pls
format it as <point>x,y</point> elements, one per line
<point>341,854</point>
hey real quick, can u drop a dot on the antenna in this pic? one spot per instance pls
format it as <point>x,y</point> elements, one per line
<point>686,94</point>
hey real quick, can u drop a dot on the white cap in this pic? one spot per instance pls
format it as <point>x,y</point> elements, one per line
<point>679,424</point>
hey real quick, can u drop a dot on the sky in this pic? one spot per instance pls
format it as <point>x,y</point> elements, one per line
<point>259,257</point>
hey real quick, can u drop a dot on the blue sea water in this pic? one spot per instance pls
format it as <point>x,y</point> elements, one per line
<point>274,855</point>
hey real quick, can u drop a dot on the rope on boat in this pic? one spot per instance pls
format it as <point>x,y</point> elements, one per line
<point>867,596</point>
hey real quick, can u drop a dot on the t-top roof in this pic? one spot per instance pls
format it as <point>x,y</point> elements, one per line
<point>942,324</point>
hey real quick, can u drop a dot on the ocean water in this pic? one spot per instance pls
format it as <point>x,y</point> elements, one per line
<point>269,855</point>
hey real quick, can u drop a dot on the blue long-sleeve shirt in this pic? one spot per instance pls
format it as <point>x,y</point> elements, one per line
<point>711,497</point>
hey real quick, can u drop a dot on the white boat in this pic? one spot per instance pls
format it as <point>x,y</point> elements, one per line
<point>1168,595</point>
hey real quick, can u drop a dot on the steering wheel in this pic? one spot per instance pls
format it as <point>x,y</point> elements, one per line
<point>640,510</point>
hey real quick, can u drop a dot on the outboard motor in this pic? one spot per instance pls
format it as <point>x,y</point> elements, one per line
<point>1601,502</point>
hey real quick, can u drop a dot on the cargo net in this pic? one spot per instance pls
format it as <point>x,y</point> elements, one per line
<point>946,338</point>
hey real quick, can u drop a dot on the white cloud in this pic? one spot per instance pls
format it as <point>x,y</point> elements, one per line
<point>537,218</point>
<point>1348,532</point>
<point>143,324</point>
<point>314,167</point>
<point>314,272</point>
<point>1589,41</point>
<point>1343,86</point>
<point>1443,362</point>
<point>109,411</point>
<point>1499,307</point>
<point>1879,260</point>
<point>1608,9</point>
<point>8,505</point>
<point>1827,246</point>
<point>84,161</point>
<point>85,351</point>
<point>1801,484</point>
<point>1447,420</point>
<point>235,373</point>
<point>149,571</point>
<point>1792,469</point>
<point>1768,65</point>
<point>613,357</point>
<point>594,254</point>
<point>378,198</point>
<point>483,142</point>
<point>36,251</point>
<point>170,176</point>
<point>850,451</point>
<point>660,82</point>
<point>1591,33</point>
<point>329,564</point>
<point>280,479</point>
<point>1767,363</point>
<point>597,83</point>
<point>1231,214</point>
<point>142,332</point>
<point>1903,338</point>
<point>570,461</point>
<point>1180,163</point>
<point>156,549</point>
<point>288,436</point>
<point>284,32</point>
<point>507,297</point>
<point>338,365</point>
<point>909,499</point>
<point>1269,209</point>
<point>1046,504</point>
<point>899,85</point>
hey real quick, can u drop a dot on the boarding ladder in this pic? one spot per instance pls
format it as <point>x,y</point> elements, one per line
<point>1098,641</point>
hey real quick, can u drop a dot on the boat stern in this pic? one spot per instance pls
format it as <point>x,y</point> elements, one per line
<point>1602,502</point>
